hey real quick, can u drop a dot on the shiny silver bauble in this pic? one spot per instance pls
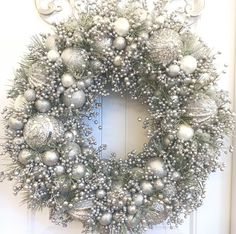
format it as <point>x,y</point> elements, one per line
<point>165,46</point>
<point>30,95</point>
<point>43,131</point>
<point>71,150</point>
<point>75,100</point>
<point>59,170</point>
<point>156,166</point>
<point>37,76</point>
<point>78,171</point>
<point>75,59</point>
<point>43,105</point>
<point>67,80</point>
<point>105,219</point>
<point>122,26</point>
<point>15,124</point>
<point>146,187</point>
<point>20,104</point>
<point>53,55</point>
<point>50,157</point>
<point>119,43</point>
<point>201,108</point>
<point>25,156</point>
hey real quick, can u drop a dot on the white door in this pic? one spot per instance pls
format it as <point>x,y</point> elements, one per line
<point>19,21</point>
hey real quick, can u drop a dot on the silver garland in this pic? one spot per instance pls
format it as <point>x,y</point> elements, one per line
<point>149,56</point>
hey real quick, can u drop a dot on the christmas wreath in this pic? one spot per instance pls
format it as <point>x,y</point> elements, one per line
<point>150,56</point>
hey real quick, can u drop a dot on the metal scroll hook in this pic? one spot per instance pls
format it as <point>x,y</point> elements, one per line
<point>194,7</point>
<point>51,8</point>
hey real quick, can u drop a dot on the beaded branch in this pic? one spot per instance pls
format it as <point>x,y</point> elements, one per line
<point>149,56</point>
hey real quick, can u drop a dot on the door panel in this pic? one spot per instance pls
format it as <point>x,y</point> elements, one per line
<point>121,130</point>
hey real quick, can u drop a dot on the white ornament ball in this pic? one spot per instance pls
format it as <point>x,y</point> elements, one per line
<point>173,70</point>
<point>50,158</point>
<point>185,132</point>
<point>53,55</point>
<point>78,171</point>
<point>76,99</point>
<point>43,105</point>
<point>67,80</point>
<point>106,219</point>
<point>30,95</point>
<point>147,187</point>
<point>24,156</point>
<point>122,26</point>
<point>156,165</point>
<point>15,124</point>
<point>188,64</point>
<point>119,43</point>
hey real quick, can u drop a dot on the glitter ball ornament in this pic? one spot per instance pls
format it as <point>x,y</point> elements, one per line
<point>36,75</point>
<point>53,55</point>
<point>156,166</point>
<point>165,45</point>
<point>201,108</point>
<point>78,171</point>
<point>185,132</point>
<point>147,187</point>
<point>76,59</point>
<point>173,70</point>
<point>43,131</point>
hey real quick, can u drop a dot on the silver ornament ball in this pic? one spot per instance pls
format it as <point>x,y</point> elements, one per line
<point>132,209</point>
<point>156,165</point>
<point>78,171</point>
<point>15,124</point>
<point>59,170</point>
<point>119,43</point>
<point>20,104</point>
<point>24,156</point>
<point>43,105</point>
<point>185,132</point>
<point>53,55</point>
<point>72,150</point>
<point>122,26</point>
<point>188,64</point>
<point>100,193</point>
<point>106,219</point>
<point>173,70</point>
<point>138,199</point>
<point>158,184</point>
<point>147,187</point>
<point>67,80</point>
<point>76,99</point>
<point>50,158</point>
<point>30,95</point>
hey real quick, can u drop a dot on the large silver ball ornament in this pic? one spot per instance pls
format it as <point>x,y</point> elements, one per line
<point>43,105</point>
<point>30,95</point>
<point>15,124</point>
<point>20,104</point>
<point>36,75</point>
<point>78,171</point>
<point>75,59</point>
<point>106,219</point>
<point>24,156</point>
<point>147,187</point>
<point>72,150</point>
<point>201,108</point>
<point>119,43</point>
<point>156,165</point>
<point>67,80</point>
<point>75,100</point>
<point>188,64</point>
<point>185,132</point>
<point>165,45</point>
<point>50,158</point>
<point>43,131</point>
<point>122,26</point>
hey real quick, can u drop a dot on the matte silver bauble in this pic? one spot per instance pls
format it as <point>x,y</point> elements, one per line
<point>106,219</point>
<point>188,64</point>
<point>119,43</point>
<point>75,59</point>
<point>156,165</point>
<point>173,70</point>
<point>75,100</point>
<point>185,132</point>
<point>53,55</point>
<point>43,131</point>
<point>43,105</point>
<point>122,26</point>
<point>100,193</point>
<point>81,209</point>
<point>20,104</point>
<point>158,184</point>
<point>36,75</point>
<point>30,95</point>
<point>67,80</point>
<point>72,150</point>
<point>147,187</point>
<point>201,108</point>
<point>78,171</point>
<point>50,158</point>
<point>59,170</point>
<point>24,156</point>
<point>132,209</point>
<point>15,124</point>
<point>138,199</point>
<point>165,46</point>
<point>51,43</point>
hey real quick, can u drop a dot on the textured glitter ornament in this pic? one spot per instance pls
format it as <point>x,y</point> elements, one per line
<point>43,131</point>
<point>165,45</point>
